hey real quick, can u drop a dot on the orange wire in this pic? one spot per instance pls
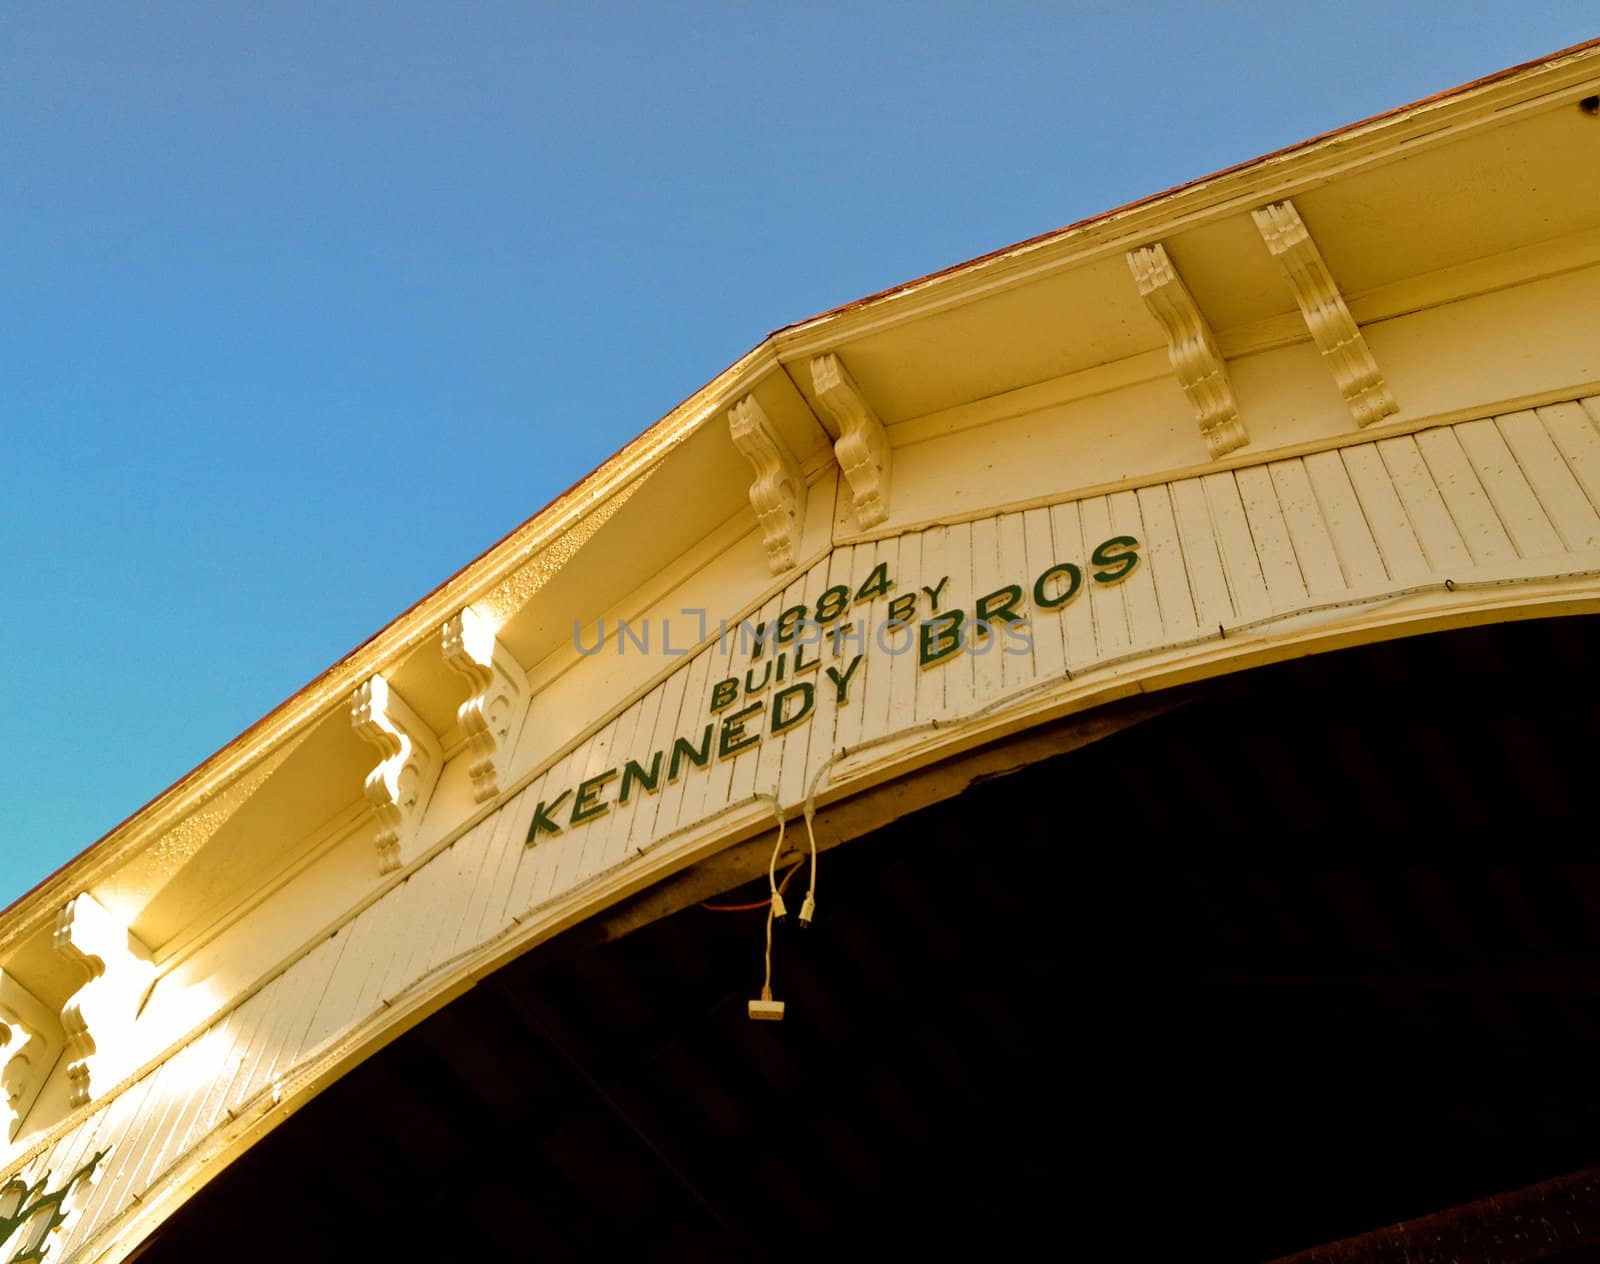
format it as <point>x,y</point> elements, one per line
<point>759,904</point>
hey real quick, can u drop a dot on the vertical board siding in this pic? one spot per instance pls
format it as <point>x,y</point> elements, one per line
<point>1269,533</point>
<point>1514,499</point>
<point>1020,662</point>
<point>72,1152</point>
<point>1201,556</point>
<point>597,846</point>
<point>461,862</point>
<point>1310,538</point>
<point>1112,638</point>
<point>1216,551</point>
<point>985,645</point>
<point>932,688</point>
<point>487,912</point>
<point>788,750</point>
<point>878,666</point>
<point>1442,547</point>
<point>115,1124</point>
<point>653,805</point>
<point>1403,558</point>
<point>1552,479</point>
<point>1140,601</point>
<point>903,673</point>
<point>1174,598</point>
<point>1241,563</point>
<point>961,680</point>
<point>1573,432</point>
<point>234,1034</point>
<point>1078,623</point>
<point>1353,541</point>
<point>394,917</point>
<point>853,565</point>
<point>1470,507</point>
<point>1049,645</point>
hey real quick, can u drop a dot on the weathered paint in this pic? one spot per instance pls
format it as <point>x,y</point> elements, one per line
<point>1053,537</point>
<point>1274,554</point>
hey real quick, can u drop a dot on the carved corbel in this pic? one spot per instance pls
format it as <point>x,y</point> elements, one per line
<point>778,494</point>
<point>862,446</point>
<point>399,787</point>
<point>97,1019</point>
<point>22,1048</point>
<point>30,1042</point>
<point>1333,329</point>
<point>1191,347</point>
<point>492,717</point>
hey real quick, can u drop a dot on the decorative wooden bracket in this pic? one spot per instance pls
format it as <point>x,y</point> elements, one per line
<point>399,787</point>
<point>779,493</point>
<point>97,1019</point>
<point>31,1214</point>
<point>492,717</point>
<point>30,1042</point>
<point>1333,329</point>
<point>1191,347</point>
<point>863,444</point>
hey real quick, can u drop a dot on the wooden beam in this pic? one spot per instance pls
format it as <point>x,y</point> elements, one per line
<point>1558,1219</point>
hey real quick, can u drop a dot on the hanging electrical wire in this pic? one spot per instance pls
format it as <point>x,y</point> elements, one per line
<point>756,904</point>
<point>808,907</point>
<point>766,1008</point>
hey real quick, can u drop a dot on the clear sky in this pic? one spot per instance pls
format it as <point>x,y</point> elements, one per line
<point>302,306</point>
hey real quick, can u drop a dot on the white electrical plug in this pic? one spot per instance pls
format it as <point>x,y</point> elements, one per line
<point>766,1009</point>
<point>808,909</point>
<point>779,912</point>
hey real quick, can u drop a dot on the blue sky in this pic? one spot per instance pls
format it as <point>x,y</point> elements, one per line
<point>303,306</point>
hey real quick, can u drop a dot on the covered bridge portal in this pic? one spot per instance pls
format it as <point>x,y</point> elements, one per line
<point>1106,998</point>
<point>1178,630</point>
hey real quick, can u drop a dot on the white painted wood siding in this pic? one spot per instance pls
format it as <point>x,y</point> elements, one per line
<point>1324,537</point>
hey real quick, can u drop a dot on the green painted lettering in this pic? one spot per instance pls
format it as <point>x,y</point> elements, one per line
<point>733,738</point>
<point>800,664</point>
<point>938,637</point>
<point>781,722</point>
<point>542,820</point>
<point>833,603</point>
<point>683,749</point>
<point>933,593</point>
<point>841,680</point>
<point>724,692</point>
<point>1000,605</point>
<point>760,637</point>
<point>632,772</point>
<point>877,584</point>
<point>586,806</point>
<point>1117,557</point>
<point>1074,580</point>
<point>903,608</point>
<point>847,632</point>
<point>789,623</point>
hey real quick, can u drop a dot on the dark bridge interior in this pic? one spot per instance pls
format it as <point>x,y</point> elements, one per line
<point>1315,953</point>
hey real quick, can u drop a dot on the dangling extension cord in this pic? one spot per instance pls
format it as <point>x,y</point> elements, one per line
<point>808,907</point>
<point>766,1008</point>
<point>775,903</point>
<point>753,905</point>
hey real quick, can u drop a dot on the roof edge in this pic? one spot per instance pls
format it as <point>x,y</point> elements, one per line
<point>1523,70</point>
<point>405,632</point>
